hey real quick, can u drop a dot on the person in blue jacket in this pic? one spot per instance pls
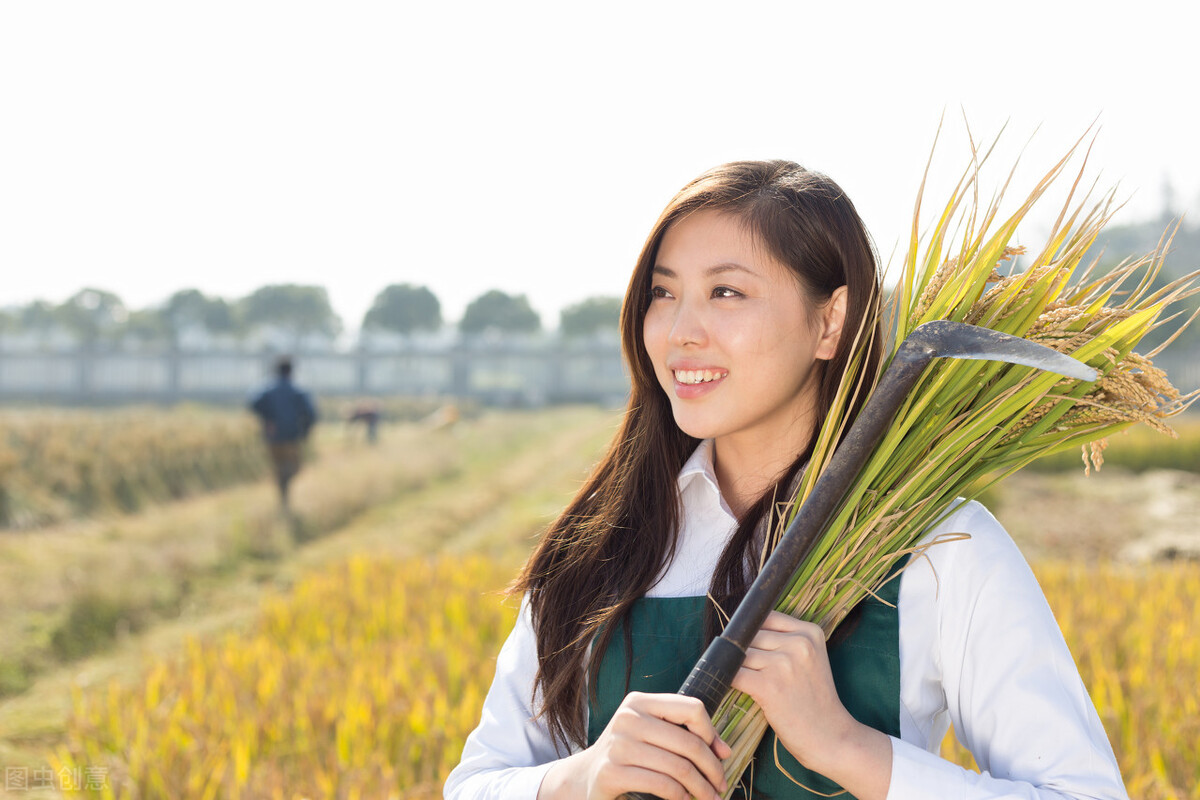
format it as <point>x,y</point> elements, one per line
<point>287,414</point>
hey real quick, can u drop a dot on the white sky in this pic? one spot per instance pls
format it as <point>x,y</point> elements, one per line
<point>147,147</point>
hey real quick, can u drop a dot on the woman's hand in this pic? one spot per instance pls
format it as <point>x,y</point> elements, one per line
<point>661,744</point>
<point>787,673</point>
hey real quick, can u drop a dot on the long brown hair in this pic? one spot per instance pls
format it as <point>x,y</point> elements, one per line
<point>610,544</point>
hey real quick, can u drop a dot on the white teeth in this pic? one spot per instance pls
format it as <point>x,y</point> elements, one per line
<point>694,376</point>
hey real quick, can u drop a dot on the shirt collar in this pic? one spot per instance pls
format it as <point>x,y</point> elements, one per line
<point>699,466</point>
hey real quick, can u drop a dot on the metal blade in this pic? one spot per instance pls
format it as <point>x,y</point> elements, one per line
<point>950,339</point>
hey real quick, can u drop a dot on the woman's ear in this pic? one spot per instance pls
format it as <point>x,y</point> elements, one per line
<point>833,317</point>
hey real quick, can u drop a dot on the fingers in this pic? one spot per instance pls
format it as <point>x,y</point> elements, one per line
<point>686,711</point>
<point>787,672</point>
<point>804,648</point>
<point>779,630</point>
<point>676,740</point>
<point>626,780</point>
<point>680,725</point>
<point>670,737</point>
<point>663,775</point>
<point>782,653</point>
<point>784,623</point>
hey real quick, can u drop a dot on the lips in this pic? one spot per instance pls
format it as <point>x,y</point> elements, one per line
<point>695,380</point>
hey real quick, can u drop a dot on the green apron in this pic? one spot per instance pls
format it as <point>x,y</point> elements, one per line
<point>667,637</point>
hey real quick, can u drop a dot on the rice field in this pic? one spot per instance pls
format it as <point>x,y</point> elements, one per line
<point>361,683</point>
<point>364,678</point>
<point>63,464</point>
<point>1138,449</point>
<point>71,589</point>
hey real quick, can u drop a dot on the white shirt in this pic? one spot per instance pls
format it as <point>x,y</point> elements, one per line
<point>979,648</point>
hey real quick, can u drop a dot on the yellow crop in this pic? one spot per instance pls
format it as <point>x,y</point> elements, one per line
<point>362,683</point>
<point>60,464</point>
<point>366,679</point>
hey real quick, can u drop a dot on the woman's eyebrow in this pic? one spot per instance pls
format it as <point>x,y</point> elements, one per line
<point>716,269</point>
<point>729,266</point>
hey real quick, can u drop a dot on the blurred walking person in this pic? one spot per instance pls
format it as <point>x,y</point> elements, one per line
<point>287,414</point>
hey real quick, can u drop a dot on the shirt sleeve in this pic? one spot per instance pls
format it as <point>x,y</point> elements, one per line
<point>310,416</point>
<point>508,754</point>
<point>979,647</point>
<point>257,402</point>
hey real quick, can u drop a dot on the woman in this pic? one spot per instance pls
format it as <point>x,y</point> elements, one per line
<point>737,326</point>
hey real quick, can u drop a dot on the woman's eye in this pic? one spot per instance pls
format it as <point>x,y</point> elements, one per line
<point>725,291</point>
<point>657,292</point>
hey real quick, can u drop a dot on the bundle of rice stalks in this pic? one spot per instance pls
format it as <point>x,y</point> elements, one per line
<point>968,424</point>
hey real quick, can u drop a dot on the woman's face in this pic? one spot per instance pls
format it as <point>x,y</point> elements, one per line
<point>732,337</point>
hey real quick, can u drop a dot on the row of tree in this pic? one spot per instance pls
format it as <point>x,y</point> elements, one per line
<point>301,311</point>
<point>304,311</point>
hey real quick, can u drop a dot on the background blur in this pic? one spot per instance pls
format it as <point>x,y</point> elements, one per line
<point>434,207</point>
<point>238,179</point>
<point>527,147</point>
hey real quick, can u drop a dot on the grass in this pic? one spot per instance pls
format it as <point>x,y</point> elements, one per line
<point>148,565</point>
<point>188,564</point>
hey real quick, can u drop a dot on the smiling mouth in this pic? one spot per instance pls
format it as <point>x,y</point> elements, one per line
<point>694,376</point>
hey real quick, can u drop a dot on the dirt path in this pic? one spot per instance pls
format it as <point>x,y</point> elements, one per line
<point>1110,515</point>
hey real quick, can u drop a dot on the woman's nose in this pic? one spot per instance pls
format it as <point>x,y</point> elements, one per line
<point>688,325</point>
